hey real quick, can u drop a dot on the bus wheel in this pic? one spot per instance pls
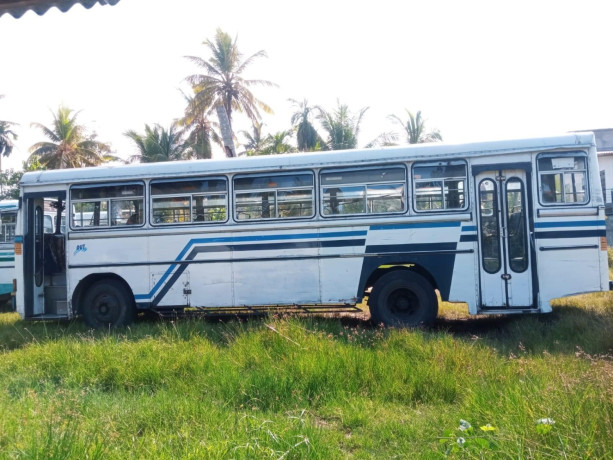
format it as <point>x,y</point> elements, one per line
<point>403,298</point>
<point>107,303</point>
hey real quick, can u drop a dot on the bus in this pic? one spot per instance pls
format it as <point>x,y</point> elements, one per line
<point>502,226</point>
<point>8,218</point>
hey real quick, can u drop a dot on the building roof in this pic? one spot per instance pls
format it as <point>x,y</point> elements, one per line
<point>18,8</point>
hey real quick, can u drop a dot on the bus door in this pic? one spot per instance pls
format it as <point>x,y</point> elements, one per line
<point>505,274</point>
<point>44,258</point>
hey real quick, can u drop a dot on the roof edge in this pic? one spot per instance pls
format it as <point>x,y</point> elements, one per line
<point>18,8</point>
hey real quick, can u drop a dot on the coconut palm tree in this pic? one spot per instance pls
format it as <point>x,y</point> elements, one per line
<point>307,138</point>
<point>69,144</point>
<point>278,143</point>
<point>415,129</point>
<point>342,127</point>
<point>198,128</point>
<point>222,84</point>
<point>7,136</point>
<point>255,140</point>
<point>159,144</point>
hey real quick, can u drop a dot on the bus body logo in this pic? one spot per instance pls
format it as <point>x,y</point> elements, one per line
<point>80,248</point>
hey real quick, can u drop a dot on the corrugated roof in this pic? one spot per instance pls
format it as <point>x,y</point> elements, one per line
<point>18,8</point>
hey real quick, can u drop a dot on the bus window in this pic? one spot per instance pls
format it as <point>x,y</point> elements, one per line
<point>562,179</point>
<point>364,191</point>
<point>8,227</point>
<point>287,196</point>
<point>97,206</point>
<point>440,186</point>
<point>189,200</point>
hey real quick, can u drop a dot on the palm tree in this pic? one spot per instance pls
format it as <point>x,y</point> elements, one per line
<point>7,136</point>
<point>255,140</point>
<point>415,129</point>
<point>69,145</point>
<point>306,134</point>
<point>223,86</point>
<point>198,128</point>
<point>277,143</point>
<point>342,127</point>
<point>159,144</point>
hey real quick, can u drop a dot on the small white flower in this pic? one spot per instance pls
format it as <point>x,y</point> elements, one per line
<point>461,442</point>
<point>545,421</point>
<point>464,425</point>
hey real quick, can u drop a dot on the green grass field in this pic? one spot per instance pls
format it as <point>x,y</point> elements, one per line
<point>312,387</point>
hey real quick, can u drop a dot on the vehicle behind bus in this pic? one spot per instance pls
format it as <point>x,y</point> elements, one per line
<point>8,218</point>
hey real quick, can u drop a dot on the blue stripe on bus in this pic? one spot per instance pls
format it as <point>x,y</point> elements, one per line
<point>468,238</point>
<point>569,234</point>
<point>415,225</point>
<point>469,228</point>
<point>251,247</point>
<point>238,239</point>
<point>582,223</point>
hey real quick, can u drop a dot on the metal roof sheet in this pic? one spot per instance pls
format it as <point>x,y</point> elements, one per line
<point>18,8</point>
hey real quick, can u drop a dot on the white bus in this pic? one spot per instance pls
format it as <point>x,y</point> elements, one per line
<point>8,217</point>
<point>503,226</point>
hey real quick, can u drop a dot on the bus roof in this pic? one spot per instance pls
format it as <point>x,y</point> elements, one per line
<point>432,151</point>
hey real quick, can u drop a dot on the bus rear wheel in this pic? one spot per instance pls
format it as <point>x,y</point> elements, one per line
<point>403,298</point>
<point>107,303</point>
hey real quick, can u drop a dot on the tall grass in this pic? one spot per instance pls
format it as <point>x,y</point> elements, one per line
<point>312,387</point>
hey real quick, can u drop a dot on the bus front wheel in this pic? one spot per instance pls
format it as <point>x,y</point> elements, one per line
<point>107,303</point>
<point>403,298</point>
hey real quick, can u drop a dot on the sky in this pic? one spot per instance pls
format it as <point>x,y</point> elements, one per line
<point>477,70</point>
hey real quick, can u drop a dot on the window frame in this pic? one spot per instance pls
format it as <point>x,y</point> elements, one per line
<point>8,237</point>
<point>568,154</point>
<point>273,174</point>
<point>365,185</point>
<point>191,196</point>
<point>414,182</point>
<point>108,226</point>
<point>496,217</point>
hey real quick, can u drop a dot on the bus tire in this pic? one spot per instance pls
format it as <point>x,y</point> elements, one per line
<point>403,298</point>
<point>107,303</point>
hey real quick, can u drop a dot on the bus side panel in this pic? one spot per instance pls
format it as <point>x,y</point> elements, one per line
<point>189,270</point>
<point>275,267</point>
<point>7,269</point>
<point>431,246</point>
<point>561,249</point>
<point>126,257</point>
<point>341,263</point>
<point>464,284</point>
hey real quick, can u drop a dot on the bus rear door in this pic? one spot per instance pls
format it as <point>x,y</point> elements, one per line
<point>505,274</point>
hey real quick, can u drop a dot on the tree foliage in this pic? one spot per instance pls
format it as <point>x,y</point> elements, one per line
<point>255,139</point>
<point>69,144</point>
<point>7,136</point>
<point>342,126</point>
<point>199,131</point>
<point>415,129</point>
<point>223,83</point>
<point>307,137</point>
<point>160,144</point>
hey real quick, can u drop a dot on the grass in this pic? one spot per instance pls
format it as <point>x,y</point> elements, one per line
<point>313,387</point>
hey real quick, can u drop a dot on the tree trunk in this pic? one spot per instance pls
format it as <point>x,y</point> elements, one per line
<point>226,131</point>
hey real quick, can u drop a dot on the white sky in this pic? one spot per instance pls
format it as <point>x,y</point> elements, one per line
<point>476,69</point>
